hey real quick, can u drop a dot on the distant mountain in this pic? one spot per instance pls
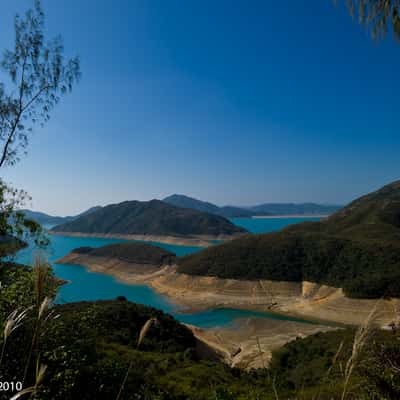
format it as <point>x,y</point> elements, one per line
<point>357,249</point>
<point>295,209</point>
<point>150,218</point>
<point>50,220</point>
<point>180,200</point>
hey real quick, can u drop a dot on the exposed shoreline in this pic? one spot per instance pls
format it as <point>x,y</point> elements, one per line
<point>306,300</point>
<point>195,241</point>
<point>238,345</point>
<point>291,216</point>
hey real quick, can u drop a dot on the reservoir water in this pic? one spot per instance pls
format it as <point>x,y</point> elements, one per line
<point>87,285</point>
<point>263,225</point>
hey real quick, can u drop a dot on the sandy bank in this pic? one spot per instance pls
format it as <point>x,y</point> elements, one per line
<point>305,299</point>
<point>237,345</point>
<point>197,241</point>
<point>240,345</point>
<point>249,343</point>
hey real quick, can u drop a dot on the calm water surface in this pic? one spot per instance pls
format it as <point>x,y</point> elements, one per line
<point>263,225</point>
<point>87,285</point>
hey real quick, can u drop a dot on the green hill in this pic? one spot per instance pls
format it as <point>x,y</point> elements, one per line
<point>131,252</point>
<point>357,248</point>
<point>151,218</point>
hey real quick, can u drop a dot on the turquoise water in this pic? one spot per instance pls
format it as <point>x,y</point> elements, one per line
<point>264,225</point>
<point>86,285</point>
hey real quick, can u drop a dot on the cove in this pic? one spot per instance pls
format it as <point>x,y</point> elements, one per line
<point>86,285</point>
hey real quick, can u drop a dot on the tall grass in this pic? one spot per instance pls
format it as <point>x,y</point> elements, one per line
<point>42,303</point>
<point>13,322</point>
<point>39,376</point>
<point>143,332</point>
<point>361,337</point>
<point>265,366</point>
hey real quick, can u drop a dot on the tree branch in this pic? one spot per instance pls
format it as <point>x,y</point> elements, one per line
<point>18,116</point>
<point>34,98</point>
<point>9,140</point>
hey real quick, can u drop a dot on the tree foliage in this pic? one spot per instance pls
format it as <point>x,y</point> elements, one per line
<point>378,16</point>
<point>38,75</point>
<point>14,227</point>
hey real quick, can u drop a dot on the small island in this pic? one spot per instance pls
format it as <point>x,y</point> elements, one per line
<point>153,221</point>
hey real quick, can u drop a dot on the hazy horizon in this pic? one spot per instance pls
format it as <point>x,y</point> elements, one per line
<point>205,200</point>
<point>237,105</point>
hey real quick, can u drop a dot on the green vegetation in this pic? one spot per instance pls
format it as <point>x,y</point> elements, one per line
<point>151,218</point>
<point>87,349</point>
<point>315,367</point>
<point>132,252</point>
<point>15,228</point>
<point>38,76</point>
<point>358,249</point>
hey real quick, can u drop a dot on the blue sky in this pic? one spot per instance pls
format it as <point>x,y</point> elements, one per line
<point>237,102</point>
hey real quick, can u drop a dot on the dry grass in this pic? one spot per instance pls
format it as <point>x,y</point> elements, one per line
<point>265,366</point>
<point>42,305</point>
<point>360,339</point>
<point>13,322</point>
<point>39,376</point>
<point>143,332</point>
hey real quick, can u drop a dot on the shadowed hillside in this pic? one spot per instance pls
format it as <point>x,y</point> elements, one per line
<point>357,248</point>
<point>132,252</point>
<point>151,218</point>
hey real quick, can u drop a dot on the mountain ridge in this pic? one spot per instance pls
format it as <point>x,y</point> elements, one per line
<point>266,209</point>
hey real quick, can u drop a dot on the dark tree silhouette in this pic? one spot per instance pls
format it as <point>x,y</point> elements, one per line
<point>378,16</point>
<point>38,77</point>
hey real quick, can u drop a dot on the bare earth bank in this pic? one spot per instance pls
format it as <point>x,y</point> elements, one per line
<point>194,240</point>
<point>240,345</point>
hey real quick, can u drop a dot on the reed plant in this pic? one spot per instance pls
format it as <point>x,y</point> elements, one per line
<point>43,281</point>
<point>31,390</point>
<point>143,332</point>
<point>13,322</point>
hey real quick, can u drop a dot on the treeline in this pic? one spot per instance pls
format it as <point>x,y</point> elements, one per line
<point>132,252</point>
<point>364,269</point>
